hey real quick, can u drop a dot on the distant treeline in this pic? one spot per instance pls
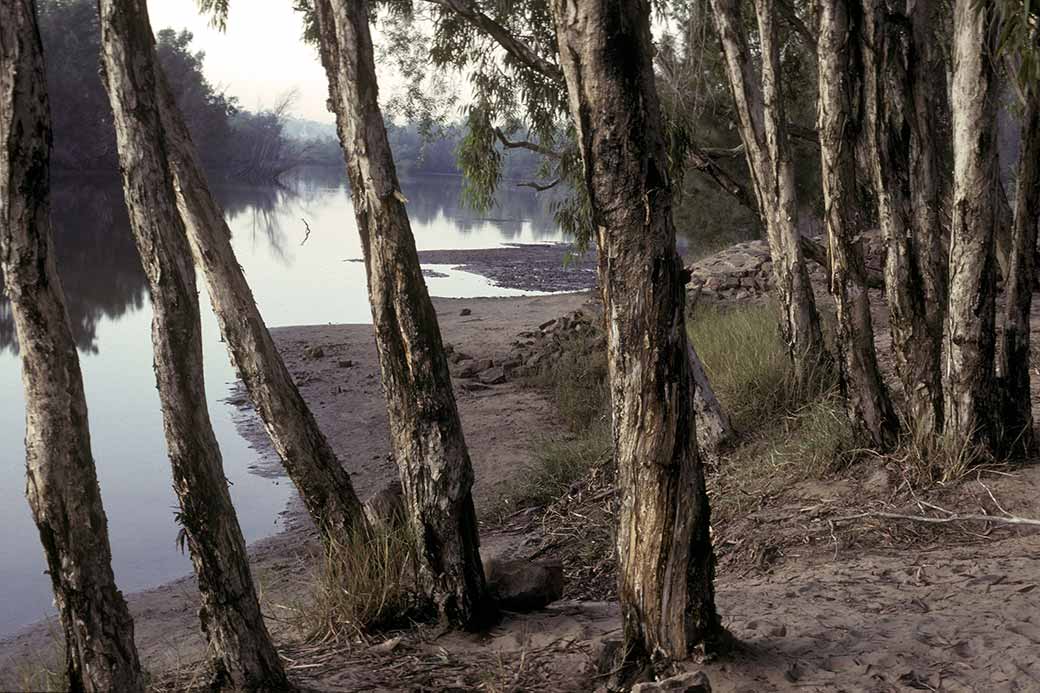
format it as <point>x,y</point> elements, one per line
<point>239,143</point>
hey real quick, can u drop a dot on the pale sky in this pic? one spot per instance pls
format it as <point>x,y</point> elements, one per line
<point>259,57</point>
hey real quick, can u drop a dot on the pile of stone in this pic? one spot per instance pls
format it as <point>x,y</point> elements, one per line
<point>531,351</point>
<point>744,272</point>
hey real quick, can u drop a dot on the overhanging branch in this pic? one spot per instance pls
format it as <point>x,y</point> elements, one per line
<point>526,144</point>
<point>512,45</point>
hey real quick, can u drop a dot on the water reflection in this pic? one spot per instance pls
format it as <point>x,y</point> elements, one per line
<point>294,284</point>
<point>101,271</point>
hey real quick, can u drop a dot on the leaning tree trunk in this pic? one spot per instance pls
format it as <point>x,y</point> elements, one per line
<point>1018,293</point>
<point>899,159</point>
<point>840,76</point>
<point>666,564</point>
<point>242,651</point>
<point>306,454</point>
<point>425,431</point>
<point>763,131</point>
<point>969,382</point>
<point>62,486</point>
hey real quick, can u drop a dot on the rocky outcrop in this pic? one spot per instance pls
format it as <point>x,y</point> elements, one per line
<point>744,272</point>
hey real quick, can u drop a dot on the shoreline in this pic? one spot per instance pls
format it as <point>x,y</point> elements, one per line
<point>348,402</point>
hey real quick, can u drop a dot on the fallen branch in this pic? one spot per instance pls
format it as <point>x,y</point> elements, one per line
<point>1009,520</point>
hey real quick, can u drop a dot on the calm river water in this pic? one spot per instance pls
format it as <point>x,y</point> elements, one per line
<point>294,284</point>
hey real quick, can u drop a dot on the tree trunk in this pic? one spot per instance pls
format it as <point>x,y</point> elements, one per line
<point>666,564</point>
<point>306,454</point>
<point>840,75</point>
<point>764,134</point>
<point>717,429</point>
<point>900,158</point>
<point>969,383</point>
<point>425,431</point>
<point>240,645</point>
<point>1018,292</point>
<point>928,148</point>
<point>62,486</point>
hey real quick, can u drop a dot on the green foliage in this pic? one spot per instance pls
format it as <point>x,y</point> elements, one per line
<point>789,429</point>
<point>747,365</point>
<point>1018,32</point>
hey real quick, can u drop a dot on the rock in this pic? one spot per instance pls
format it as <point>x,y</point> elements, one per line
<point>345,363</point>
<point>523,585</point>
<point>468,369</point>
<point>547,324</point>
<point>313,352</point>
<point>510,362</point>
<point>492,376</point>
<point>457,357</point>
<point>385,508</point>
<point>464,312</point>
<point>689,682</point>
<point>534,360</point>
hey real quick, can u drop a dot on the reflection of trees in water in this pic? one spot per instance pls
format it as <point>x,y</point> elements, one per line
<point>101,271</point>
<point>97,259</point>
<point>431,197</point>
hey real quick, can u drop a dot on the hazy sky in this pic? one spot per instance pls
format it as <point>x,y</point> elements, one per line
<point>259,57</point>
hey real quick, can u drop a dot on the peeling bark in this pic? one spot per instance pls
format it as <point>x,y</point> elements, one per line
<point>1014,353</point>
<point>306,454</point>
<point>61,481</point>
<point>240,646</point>
<point>901,162</point>
<point>969,381</point>
<point>666,564</point>
<point>425,432</point>
<point>840,103</point>
<point>763,131</point>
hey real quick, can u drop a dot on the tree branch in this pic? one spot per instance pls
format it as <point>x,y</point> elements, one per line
<point>526,144</point>
<point>539,187</point>
<point>723,152</point>
<point>1009,520</point>
<point>512,45</point>
<point>799,27</point>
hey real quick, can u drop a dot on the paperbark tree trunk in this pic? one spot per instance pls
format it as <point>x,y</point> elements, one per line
<point>1018,293</point>
<point>900,158</point>
<point>243,654</point>
<point>927,153</point>
<point>62,487</point>
<point>841,77</point>
<point>763,131</point>
<point>969,383</point>
<point>306,454</point>
<point>717,428</point>
<point>425,431</point>
<point>666,564</point>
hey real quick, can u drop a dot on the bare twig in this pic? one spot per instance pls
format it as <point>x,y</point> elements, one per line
<point>1009,520</point>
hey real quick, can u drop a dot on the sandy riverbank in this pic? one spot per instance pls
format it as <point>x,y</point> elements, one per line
<point>348,403</point>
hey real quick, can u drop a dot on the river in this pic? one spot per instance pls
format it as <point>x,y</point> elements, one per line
<point>297,279</point>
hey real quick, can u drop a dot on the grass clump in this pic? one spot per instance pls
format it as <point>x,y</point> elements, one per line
<point>747,365</point>
<point>789,428</point>
<point>365,584</point>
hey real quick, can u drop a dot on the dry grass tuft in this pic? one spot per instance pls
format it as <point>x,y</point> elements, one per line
<point>364,585</point>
